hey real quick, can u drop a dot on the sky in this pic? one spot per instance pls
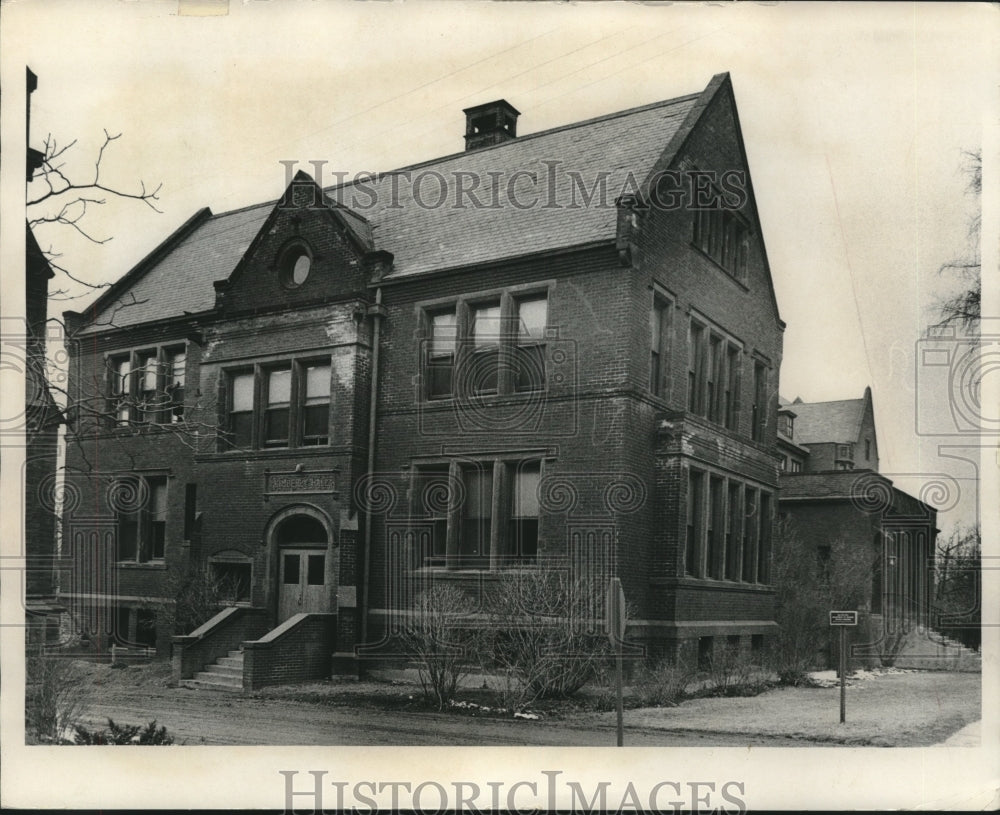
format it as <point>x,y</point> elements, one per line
<point>856,121</point>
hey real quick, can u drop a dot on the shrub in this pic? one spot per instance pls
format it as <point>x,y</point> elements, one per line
<point>438,635</point>
<point>55,696</point>
<point>661,685</point>
<point>733,673</point>
<point>125,734</point>
<point>542,637</point>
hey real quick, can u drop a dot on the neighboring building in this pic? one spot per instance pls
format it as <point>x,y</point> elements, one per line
<point>41,432</point>
<point>331,400</point>
<point>831,490</point>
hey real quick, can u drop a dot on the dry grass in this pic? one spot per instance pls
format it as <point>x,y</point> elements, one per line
<point>890,710</point>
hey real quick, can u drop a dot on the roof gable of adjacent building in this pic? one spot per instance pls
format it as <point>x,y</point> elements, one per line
<point>836,422</point>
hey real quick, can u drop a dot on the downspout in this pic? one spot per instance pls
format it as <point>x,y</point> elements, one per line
<point>376,313</point>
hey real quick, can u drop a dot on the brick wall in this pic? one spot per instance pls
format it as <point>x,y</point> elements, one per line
<point>299,650</point>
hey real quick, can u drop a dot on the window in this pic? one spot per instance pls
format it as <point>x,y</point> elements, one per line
<point>145,627</point>
<point>692,548</point>
<point>481,348</point>
<point>724,237</point>
<point>716,410</point>
<point>732,395</point>
<point>659,349</point>
<point>233,578</point>
<point>758,414</point>
<point>290,406</point>
<point>147,386</point>
<point>713,376</point>
<point>485,366</point>
<point>477,518</point>
<point>750,524</point>
<point>696,369</point>
<point>176,376</point>
<point>488,511</point>
<point>733,533</point>
<point>441,355</point>
<point>241,409</point>
<point>432,493</point>
<point>532,319</point>
<point>845,452</point>
<point>121,369</point>
<point>868,449</point>
<point>785,424</point>
<point>523,535</point>
<point>278,407</point>
<point>315,570</point>
<point>796,465</point>
<point>316,405</point>
<point>142,518</point>
<point>845,465</point>
<point>764,540</point>
<point>147,381</point>
<point>704,653</point>
<point>294,265</point>
<point>716,519</point>
<point>784,463</point>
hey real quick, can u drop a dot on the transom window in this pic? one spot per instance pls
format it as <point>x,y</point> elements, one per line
<point>280,405</point>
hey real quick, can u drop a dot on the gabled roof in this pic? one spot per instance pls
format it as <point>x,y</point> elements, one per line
<point>836,422</point>
<point>177,278</point>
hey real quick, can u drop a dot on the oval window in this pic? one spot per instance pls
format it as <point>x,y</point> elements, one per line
<point>295,267</point>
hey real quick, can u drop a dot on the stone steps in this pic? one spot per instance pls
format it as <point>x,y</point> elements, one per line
<point>225,674</point>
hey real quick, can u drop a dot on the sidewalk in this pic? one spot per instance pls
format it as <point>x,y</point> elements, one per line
<point>968,736</point>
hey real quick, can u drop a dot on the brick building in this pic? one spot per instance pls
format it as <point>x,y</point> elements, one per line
<point>41,420</point>
<point>831,490</point>
<point>555,350</point>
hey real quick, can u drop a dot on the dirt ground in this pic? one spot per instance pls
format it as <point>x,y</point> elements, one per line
<point>891,709</point>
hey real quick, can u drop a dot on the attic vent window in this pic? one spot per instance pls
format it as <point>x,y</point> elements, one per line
<point>294,265</point>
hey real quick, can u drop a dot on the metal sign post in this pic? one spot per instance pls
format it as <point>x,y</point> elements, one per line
<point>843,619</point>
<point>615,624</point>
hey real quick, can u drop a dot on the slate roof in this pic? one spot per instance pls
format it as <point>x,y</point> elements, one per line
<point>182,280</point>
<point>624,145</point>
<point>828,422</point>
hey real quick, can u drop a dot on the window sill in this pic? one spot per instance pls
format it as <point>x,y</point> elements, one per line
<point>710,583</point>
<point>267,452</point>
<point>472,571</point>
<point>159,564</point>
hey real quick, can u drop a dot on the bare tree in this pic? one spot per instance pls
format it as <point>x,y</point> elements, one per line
<point>57,198</point>
<point>963,308</point>
<point>958,585</point>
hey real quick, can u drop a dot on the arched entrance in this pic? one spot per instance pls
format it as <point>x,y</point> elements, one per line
<point>305,572</point>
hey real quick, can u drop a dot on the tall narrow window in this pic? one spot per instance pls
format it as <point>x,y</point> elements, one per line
<point>692,548</point>
<point>441,355</point>
<point>278,401</point>
<point>121,369</point>
<point>750,511</point>
<point>758,415</point>
<point>716,519</point>
<point>128,535</point>
<point>176,378</point>
<point>696,369</point>
<point>147,379</point>
<point>764,540</point>
<point>316,405</point>
<point>477,522</point>
<point>532,318</point>
<point>484,373</point>
<point>732,395</point>
<point>241,409</point>
<point>432,493</point>
<point>523,532</point>
<point>659,328</point>
<point>157,517</point>
<point>190,510</point>
<point>715,408</point>
<point>733,533</point>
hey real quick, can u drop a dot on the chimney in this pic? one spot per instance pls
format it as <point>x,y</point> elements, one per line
<point>489,124</point>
